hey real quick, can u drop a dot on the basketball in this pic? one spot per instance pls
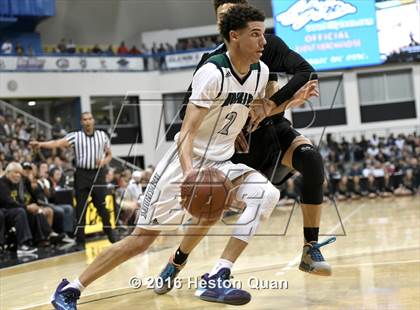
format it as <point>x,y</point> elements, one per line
<point>205,193</point>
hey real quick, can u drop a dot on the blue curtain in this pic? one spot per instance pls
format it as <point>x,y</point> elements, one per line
<point>27,7</point>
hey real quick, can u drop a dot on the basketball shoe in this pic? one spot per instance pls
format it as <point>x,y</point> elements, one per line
<point>65,299</point>
<point>312,260</point>
<point>165,282</point>
<point>219,288</point>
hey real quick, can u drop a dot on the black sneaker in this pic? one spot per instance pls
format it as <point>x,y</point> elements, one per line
<point>55,238</point>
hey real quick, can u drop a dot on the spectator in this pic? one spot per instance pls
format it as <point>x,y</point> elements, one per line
<point>134,51</point>
<point>162,59</point>
<point>126,198</point>
<point>134,188</point>
<point>96,50</point>
<point>19,49</point>
<point>30,51</point>
<point>122,49</point>
<point>57,130</point>
<point>12,212</point>
<point>110,51</point>
<point>41,222</point>
<point>70,47</point>
<point>169,48</point>
<point>45,193</point>
<point>62,46</point>
<point>7,47</point>
<point>145,51</point>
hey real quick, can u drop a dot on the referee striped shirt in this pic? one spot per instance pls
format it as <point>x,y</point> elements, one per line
<point>88,148</point>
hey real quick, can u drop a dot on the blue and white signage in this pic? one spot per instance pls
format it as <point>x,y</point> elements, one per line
<point>330,34</point>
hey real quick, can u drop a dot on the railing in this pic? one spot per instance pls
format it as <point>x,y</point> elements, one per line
<point>119,162</point>
<point>40,126</point>
<point>101,63</point>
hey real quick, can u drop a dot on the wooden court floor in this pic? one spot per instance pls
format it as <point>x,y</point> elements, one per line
<point>376,265</point>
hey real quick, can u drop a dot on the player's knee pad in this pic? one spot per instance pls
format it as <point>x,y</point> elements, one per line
<point>260,197</point>
<point>308,161</point>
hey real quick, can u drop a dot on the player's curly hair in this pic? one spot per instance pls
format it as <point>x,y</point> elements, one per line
<point>237,17</point>
<point>218,3</point>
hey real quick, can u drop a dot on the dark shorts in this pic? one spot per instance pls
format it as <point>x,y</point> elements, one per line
<point>267,147</point>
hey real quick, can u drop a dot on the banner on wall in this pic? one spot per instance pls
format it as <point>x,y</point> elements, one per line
<point>183,60</point>
<point>74,63</point>
<point>330,34</point>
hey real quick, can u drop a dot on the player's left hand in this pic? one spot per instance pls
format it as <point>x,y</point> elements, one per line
<point>100,163</point>
<point>259,109</point>
<point>310,89</point>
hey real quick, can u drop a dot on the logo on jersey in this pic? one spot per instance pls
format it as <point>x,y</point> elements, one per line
<point>306,11</point>
<point>238,98</point>
<point>228,74</point>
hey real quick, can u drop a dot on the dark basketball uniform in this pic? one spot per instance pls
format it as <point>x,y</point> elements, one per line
<point>275,134</point>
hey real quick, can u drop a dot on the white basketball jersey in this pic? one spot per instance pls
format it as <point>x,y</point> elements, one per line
<point>217,87</point>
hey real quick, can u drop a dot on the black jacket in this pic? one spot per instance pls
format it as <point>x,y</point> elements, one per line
<point>9,194</point>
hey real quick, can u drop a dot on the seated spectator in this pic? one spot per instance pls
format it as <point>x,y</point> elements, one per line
<point>70,47</point>
<point>14,213</point>
<point>134,188</point>
<point>45,194</point>
<point>126,199</point>
<point>42,222</point>
<point>62,46</point>
<point>134,51</point>
<point>19,49</point>
<point>96,50</point>
<point>7,47</point>
<point>30,51</point>
<point>110,51</point>
<point>122,49</point>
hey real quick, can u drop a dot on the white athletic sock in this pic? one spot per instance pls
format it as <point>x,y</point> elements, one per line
<point>75,284</point>
<point>221,263</point>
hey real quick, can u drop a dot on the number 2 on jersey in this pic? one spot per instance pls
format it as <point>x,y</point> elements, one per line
<point>231,119</point>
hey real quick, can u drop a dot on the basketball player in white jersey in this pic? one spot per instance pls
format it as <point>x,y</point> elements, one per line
<point>218,109</point>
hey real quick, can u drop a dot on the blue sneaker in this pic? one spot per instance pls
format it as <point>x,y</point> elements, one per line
<point>218,288</point>
<point>67,299</point>
<point>312,260</point>
<point>165,282</point>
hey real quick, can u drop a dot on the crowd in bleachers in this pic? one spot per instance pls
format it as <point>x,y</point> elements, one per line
<point>375,167</point>
<point>42,189</point>
<point>36,190</point>
<point>153,56</point>
<point>68,47</point>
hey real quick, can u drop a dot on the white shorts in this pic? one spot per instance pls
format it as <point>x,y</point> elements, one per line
<point>160,205</point>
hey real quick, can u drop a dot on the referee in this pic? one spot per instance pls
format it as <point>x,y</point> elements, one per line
<point>92,152</point>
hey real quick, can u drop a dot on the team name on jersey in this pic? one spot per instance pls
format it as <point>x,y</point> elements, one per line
<point>238,98</point>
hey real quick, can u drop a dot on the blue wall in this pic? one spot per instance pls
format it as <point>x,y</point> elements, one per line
<point>27,7</point>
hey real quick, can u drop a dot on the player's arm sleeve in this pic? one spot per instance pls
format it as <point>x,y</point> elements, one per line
<point>206,86</point>
<point>290,62</point>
